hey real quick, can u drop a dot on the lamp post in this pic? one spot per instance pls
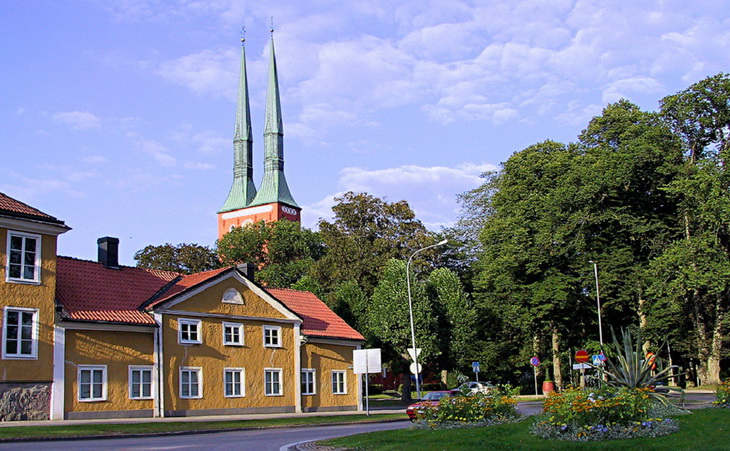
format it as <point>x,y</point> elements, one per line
<point>598,302</point>
<point>410,311</point>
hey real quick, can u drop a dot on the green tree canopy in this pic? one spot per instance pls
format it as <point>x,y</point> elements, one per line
<point>183,258</point>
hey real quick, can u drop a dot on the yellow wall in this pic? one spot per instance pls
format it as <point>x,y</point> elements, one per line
<point>117,350</point>
<point>325,358</point>
<point>38,296</point>
<point>213,356</point>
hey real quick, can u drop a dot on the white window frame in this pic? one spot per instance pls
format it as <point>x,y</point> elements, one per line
<point>339,377</point>
<point>241,383</point>
<point>141,369</point>
<point>309,381</point>
<point>237,326</point>
<point>36,263</point>
<point>269,383</point>
<point>92,369</point>
<point>191,369</point>
<point>189,322</point>
<point>277,335</point>
<point>34,334</point>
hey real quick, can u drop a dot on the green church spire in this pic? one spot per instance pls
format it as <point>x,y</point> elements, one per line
<point>243,189</point>
<point>273,186</point>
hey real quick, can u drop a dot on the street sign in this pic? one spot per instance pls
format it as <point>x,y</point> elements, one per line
<point>534,361</point>
<point>602,356</point>
<point>366,361</point>
<point>581,366</point>
<point>415,370</point>
<point>475,366</point>
<point>581,356</point>
<point>414,354</point>
<point>596,360</point>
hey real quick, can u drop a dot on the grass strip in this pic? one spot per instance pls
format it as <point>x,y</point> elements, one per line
<point>125,429</point>
<point>705,429</point>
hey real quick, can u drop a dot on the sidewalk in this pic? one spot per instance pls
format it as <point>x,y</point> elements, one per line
<point>196,419</point>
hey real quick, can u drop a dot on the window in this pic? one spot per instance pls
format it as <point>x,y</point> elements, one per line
<point>272,336</point>
<point>140,382</point>
<point>233,334</point>
<point>338,383</point>
<point>308,387</point>
<point>191,383</point>
<point>272,382</point>
<point>189,331</point>
<point>24,252</point>
<point>232,296</point>
<point>92,383</point>
<point>20,333</point>
<point>234,380</point>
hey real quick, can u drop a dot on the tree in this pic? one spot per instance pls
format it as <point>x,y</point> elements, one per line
<point>388,320</point>
<point>700,260</point>
<point>183,258</point>
<point>458,319</point>
<point>364,234</point>
<point>282,251</point>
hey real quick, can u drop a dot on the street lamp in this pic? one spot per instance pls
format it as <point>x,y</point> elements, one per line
<point>410,311</point>
<point>598,301</point>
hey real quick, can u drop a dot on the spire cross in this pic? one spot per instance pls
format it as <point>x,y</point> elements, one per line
<point>243,34</point>
<point>272,26</point>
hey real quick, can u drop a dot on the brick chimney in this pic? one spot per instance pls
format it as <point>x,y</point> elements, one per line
<point>108,251</point>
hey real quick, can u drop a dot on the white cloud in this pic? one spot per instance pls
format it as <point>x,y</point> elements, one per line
<point>77,120</point>
<point>205,71</point>
<point>156,151</point>
<point>209,142</point>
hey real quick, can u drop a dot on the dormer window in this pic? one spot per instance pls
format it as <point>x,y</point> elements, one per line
<point>232,296</point>
<point>24,257</point>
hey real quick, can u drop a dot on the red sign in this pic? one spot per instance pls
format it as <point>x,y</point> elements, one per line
<point>534,361</point>
<point>581,356</point>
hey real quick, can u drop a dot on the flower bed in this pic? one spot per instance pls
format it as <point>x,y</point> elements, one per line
<point>470,410</point>
<point>609,413</point>
<point>723,395</point>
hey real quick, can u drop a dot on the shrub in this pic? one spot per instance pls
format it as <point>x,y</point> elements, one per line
<point>723,395</point>
<point>470,409</point>
<point>608,413</point>
<point>375,389</point>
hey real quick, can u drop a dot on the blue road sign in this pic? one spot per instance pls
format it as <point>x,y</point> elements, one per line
<point>475,366</point>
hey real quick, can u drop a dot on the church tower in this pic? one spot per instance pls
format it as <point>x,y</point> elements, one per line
<point>273,201</point>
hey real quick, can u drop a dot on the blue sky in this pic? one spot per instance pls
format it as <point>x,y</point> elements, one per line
<point>117,115</point>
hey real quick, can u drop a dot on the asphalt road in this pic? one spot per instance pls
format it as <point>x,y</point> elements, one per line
<point>259,440</point>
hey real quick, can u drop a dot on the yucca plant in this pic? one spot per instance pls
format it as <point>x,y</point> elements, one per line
<point>626,366</point>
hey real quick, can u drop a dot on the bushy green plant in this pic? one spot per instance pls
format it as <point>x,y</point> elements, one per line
<point>627,367</point>
<point>722,395</point>
<point>470,409</point>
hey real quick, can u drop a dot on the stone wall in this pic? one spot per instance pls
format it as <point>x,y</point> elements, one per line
<point>25,401</point>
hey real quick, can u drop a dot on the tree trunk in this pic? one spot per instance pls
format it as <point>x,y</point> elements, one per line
<point>557,373</point>
<point>709,370</point>
<point>406,382</point>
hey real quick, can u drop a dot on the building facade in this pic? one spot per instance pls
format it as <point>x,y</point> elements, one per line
<point>95,339</point>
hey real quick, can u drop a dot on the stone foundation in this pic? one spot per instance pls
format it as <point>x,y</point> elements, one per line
<point>25,401</point>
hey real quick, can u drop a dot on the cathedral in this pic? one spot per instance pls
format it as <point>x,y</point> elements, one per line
<point>273,200</point>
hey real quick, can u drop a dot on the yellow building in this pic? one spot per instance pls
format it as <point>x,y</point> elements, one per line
<point>27,290</point>
<point>131,342</point>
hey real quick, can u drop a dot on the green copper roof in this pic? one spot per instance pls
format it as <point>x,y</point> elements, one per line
<point>273,186</point>
<point>243,189</point>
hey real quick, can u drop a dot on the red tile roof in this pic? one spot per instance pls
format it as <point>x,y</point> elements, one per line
<point>319,320</point>
<point>88,291</point>
<point>18,208</point>
<point>186,282</point>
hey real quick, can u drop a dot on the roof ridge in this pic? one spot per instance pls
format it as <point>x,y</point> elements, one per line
<point>122,266</point>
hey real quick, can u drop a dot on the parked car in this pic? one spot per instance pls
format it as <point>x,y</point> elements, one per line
<point>476,387</point>
<point>429,399</point>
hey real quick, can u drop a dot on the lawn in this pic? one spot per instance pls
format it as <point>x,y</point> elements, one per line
<point>129,429</point>
<point>705,429</point>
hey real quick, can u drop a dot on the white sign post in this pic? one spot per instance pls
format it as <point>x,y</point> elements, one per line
<point>367,361</point>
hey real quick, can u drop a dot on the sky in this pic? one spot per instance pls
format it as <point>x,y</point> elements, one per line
<point>117,116</point>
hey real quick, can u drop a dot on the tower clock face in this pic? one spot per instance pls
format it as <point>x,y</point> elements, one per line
<point>289,210</point>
